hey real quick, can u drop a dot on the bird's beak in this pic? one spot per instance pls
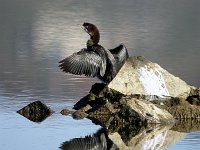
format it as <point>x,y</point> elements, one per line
<point>82,27</point>
<point>85,30</point>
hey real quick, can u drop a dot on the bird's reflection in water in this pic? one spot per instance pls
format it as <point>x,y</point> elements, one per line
<point>97,141</point>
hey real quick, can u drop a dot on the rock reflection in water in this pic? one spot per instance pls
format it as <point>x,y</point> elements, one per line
<point>150,137</point>
<point>135,136</point>
<point>36,111</point>
<point>153,137</point>
<point>187,125</point>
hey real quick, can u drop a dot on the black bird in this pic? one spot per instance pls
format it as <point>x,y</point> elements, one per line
<point>95,60</point>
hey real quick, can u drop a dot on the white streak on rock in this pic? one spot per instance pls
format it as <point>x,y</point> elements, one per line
<point>153,82</point>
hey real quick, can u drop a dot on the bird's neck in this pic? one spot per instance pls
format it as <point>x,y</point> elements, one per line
<point>90,43</point>
<point>95,36</point>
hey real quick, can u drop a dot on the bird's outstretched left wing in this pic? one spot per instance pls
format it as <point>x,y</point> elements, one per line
<point>84,62</point>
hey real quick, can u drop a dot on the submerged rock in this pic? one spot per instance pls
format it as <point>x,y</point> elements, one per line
<point>35,111</point>
<point>140,76</point>
<point>65,112</point>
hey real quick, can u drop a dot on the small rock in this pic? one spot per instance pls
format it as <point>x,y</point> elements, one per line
<point>65,111</point>
<point>79,114</point>
<point>35,111</point>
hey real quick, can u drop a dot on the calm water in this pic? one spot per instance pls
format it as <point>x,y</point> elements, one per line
<point>35,35</point>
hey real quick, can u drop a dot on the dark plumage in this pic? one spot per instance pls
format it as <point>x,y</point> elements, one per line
<point>96,141</point>
<point>95,60</point>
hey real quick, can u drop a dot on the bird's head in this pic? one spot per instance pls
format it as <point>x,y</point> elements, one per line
<point>93,31</point>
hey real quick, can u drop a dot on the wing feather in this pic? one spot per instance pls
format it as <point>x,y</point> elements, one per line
<point>84,62</point>
<point>120,54</point>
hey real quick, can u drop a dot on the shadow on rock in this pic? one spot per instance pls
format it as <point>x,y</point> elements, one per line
<point>36,111</point>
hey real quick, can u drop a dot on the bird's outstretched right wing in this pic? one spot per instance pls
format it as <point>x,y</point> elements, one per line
<point>84,62</point>
<point>121,54</point>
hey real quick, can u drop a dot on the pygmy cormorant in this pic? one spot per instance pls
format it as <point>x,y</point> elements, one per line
<point>95,61</point>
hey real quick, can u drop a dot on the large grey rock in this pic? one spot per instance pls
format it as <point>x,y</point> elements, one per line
<point>126,97</point>
<point>141,76</point>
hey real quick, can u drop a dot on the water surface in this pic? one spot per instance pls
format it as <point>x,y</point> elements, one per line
<point>35,35</point>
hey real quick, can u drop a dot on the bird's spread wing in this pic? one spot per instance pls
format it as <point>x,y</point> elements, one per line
<point>83,62</point>
<point>120,54</point>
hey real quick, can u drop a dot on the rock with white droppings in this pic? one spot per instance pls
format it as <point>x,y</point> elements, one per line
<point>143,77</point>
